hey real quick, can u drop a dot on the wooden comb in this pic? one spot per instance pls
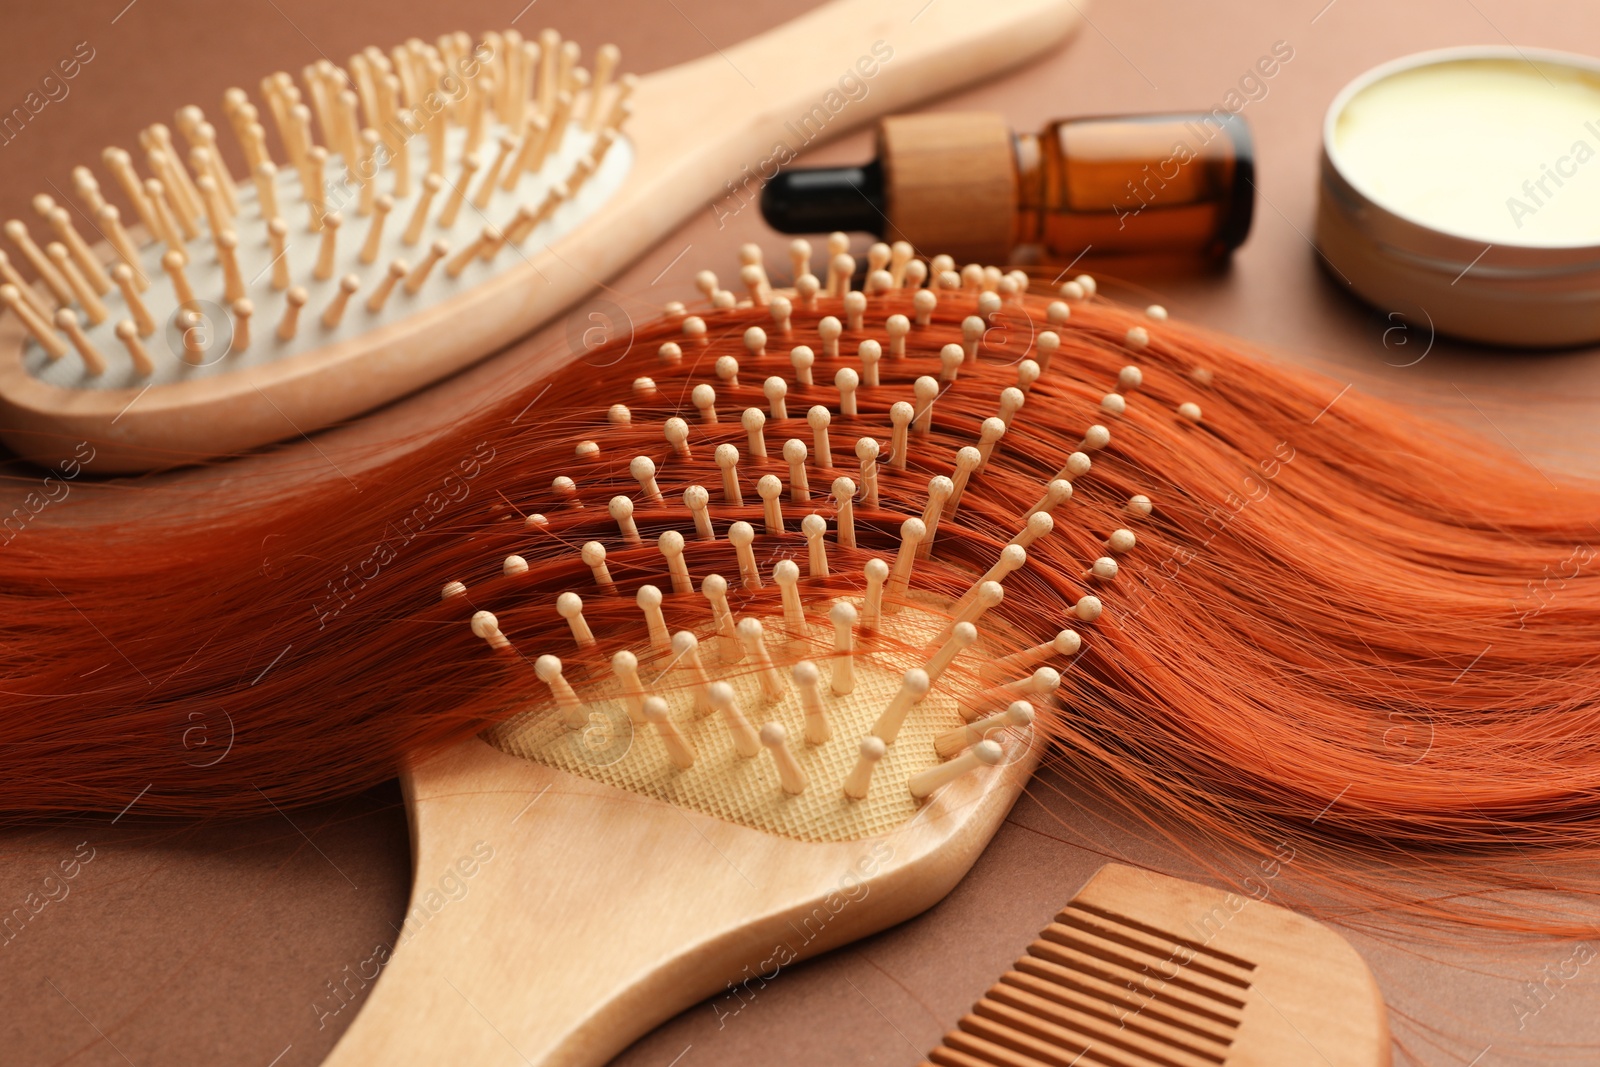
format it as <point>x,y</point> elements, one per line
<point>241,318</point>
<point>1143,970</point>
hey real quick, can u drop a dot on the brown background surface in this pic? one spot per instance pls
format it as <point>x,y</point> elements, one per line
<point>211,944</point>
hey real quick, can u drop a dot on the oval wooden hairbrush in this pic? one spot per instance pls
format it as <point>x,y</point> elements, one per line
<point>424,208</point>
<point>770,707</point>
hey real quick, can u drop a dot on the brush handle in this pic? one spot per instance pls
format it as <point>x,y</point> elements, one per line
<point>555,919</point>
<point>697,130</point>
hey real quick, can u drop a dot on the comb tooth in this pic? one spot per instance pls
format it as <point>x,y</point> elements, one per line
<point>1027,373</point>
<point>847,381</point>
<point>741,535</point>
<point>619,415</point>
<point>643,470</point>
<point>745,739</point>
<point>212,202</point>
<point>593,555</point>
<point>967,461</point>
<point>110,220</point>
<point>923,304</point>
<point>548,668</point>
<point>950,359</point>
<point>17,231</point>
<point>1189,411</point>
<point>25,292</point>
<point>962,635</point>
<point>671,545</point>
<point>625,665</point>
<point>770,489</point>
<point>867,453</point>
<point>897,326</point>
<point>1037,525</point>
<point>621,510</point>
<point>913,687</point>
<point>487,238</point>
<point>385,287</point>
<point>753,636</point>
<point>311,187</point>
<point>570,607</point>
<point>686,652</point>
<point>173,263</point>
<point>484,624</point>
<point>916,274</point>
<point>94,310</point>
<point>278,237</point>
<point>38,325</point>
<point>859,782</point>
<point>293,301</point>
<point>877,571</point>
<point>912,531</point>
<point>1137,338</point>
<point>786,575</point>
<point>926,389</point>
<point>1018,714</point>
<point>328,251</point>
<point>704,399</point>
<point>1129,378</point>
<point>983,754</point>
<point>242,310</point>
<point>806,679</point>
<point>841,265</point>
<point>534,130</point>
<point>799,257</point>
<point>940,489</point>
<point>120,164</point>
<point>775,390</point>
<point>1038,686</point>
<point>1011,401</point>
<point>1078,464</point>
<point>87,188</point>
<point>714,588</point>
<point>1138,506</point>
<point>806,287</point>
<point>649,600</point>
<point>828,329</point>
<point>679,751</point>
<point>727,458</point>
<point>900,254</point>
<point>855,310</point>
<point>818,418</point>
<point>419,214</point>
<point>696,498</point>
<point>192,332</point>
<point>232,282</point>
<point>989,435</point>
<point>727,368</point>
<point>754,420</point>
<point>380,211</point>
<point>843,616</point>
<point>436,252</point>
<point>676,431</point>
<point>878,256</point>
<point>844,491</point>
<point>505,145</point>
<point>1104,568</point>
<point>128,334</point>
<point>900,416</point>
<point>791,776</point>
<point>794,454</point>
<point>781,310</point>
<point>61,221</point>
<point>334,312</point>
<point>815,527</point>
<point>1064,643</point>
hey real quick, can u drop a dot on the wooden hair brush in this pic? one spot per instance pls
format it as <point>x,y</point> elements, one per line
<point>423,207</point>
<point>1143,970</point>
<point>767,710</point>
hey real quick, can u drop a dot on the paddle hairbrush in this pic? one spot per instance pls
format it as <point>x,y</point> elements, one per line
<point>1143,970</point>
<point>422,208</point>
<point>770,706</point>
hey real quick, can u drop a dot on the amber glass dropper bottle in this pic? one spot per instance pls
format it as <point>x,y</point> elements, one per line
<point>964,183</point>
